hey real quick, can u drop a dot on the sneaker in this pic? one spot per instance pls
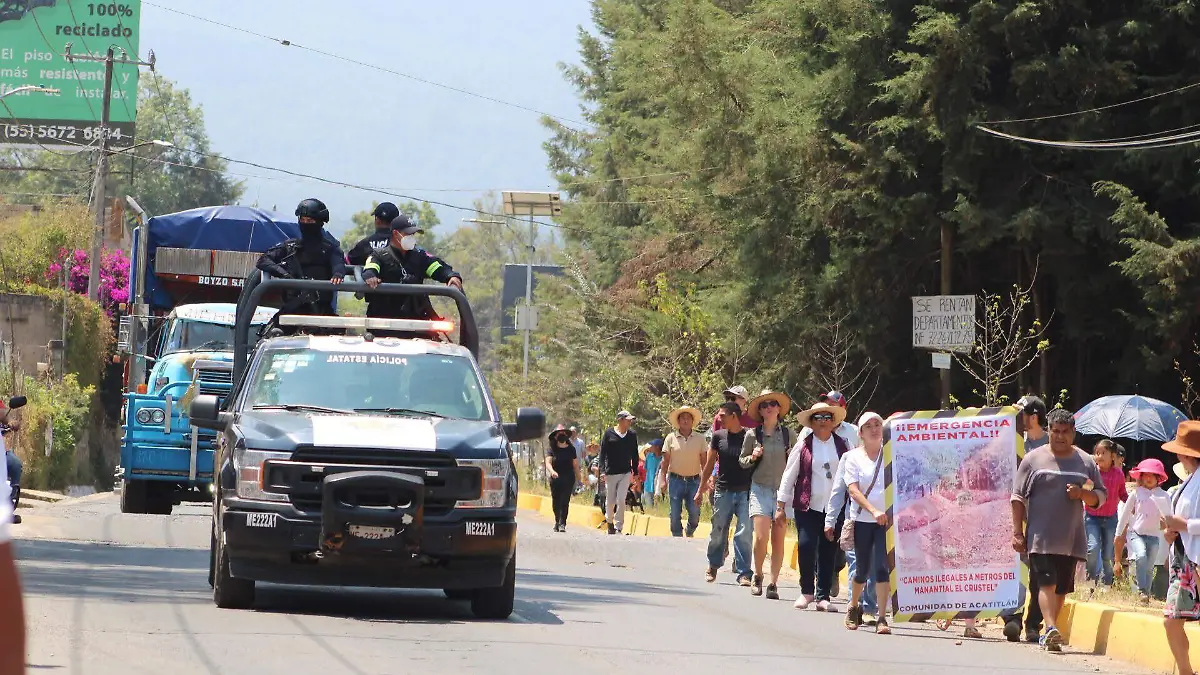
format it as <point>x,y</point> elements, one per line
<point>772,592</point>
<point>972,633</point>
<point>854,618</point>
<point>744,580</point>
<point>612,529</point>
<point>1052,640</point>
<point>1031,636</point>
<point>1012,630</point>
<point>756,585</point>
<point>557,527</point>
<point>803,602</point>
<point>710,575</point>
<point>16,519</point>
<point>826,606</point>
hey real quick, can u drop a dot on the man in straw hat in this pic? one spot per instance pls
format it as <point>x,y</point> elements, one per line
<point>1048,527</point>
<point>683,460</point>
<point>806,486</point>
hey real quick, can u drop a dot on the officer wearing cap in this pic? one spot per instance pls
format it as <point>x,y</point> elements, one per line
<point>312,255</point>
<point>403,262</point>
<point>384,214</point>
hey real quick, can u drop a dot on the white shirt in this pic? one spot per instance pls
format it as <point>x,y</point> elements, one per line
<point>824,463</point>
<point>1188,507</point>
<point>860,469</point>
<point>6,510</point>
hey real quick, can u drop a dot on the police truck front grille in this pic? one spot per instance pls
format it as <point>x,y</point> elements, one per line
<point>445,482</point>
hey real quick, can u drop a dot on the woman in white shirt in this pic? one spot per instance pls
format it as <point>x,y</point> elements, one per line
<point>1182,528</point>
<point>864,482</point>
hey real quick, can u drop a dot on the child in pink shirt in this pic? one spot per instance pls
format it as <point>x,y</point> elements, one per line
<point>1141,513</point>
<point>1101,522</point>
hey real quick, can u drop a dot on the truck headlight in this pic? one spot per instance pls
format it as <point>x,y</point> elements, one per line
<point>150,416</point>
<point>495,481</point>
<point>249,467</point>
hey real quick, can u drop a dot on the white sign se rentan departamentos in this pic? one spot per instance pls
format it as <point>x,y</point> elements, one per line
<point>944,322</point>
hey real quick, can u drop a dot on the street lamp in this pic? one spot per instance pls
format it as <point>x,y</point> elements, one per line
<point>530,204</point>
<point>29,87</point>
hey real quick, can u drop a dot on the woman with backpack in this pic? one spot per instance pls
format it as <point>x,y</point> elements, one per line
<point>767,461</point>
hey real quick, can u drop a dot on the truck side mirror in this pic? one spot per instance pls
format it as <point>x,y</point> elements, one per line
<point>530,424</point>
<point>205,412</point>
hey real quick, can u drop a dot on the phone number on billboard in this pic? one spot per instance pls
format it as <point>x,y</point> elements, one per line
<point>57,132</point>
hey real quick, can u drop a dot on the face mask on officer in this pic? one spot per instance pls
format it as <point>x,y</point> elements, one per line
<point>310,230</point>
<point>404,242</point>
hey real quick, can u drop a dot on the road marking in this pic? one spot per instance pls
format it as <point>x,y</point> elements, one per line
<point>517,618</point>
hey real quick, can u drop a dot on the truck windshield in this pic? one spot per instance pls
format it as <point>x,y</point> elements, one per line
<point>387,384</point>
<point>184,335</point>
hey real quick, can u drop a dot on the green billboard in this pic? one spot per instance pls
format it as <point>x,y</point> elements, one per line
<point>34,35</point>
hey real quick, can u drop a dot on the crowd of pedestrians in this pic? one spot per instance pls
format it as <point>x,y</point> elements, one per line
<point>1073,514</point>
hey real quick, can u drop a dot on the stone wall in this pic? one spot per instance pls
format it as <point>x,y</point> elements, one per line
<point>27,324</point>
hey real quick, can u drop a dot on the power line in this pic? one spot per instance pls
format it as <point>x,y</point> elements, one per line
<point>1161,141</point>
<point>1092,110</point>
<point>347,59</point>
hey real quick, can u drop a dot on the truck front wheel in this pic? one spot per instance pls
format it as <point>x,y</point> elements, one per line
<point>133,496</point>
<point>497,603</point>
<point>228,592</point>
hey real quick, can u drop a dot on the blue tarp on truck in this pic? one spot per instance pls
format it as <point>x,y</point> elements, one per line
<point>219,228</point>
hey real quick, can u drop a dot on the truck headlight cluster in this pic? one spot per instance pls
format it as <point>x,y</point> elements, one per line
<point>249,465</point>
<point>150,416</point>
<point>495,481</point>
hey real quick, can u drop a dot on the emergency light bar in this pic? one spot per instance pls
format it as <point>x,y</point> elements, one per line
<point>366,323</point>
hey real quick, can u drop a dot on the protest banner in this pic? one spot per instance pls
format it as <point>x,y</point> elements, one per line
<point>948,478</point>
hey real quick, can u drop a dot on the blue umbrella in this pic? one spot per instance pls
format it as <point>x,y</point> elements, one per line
<point>1138,417</point>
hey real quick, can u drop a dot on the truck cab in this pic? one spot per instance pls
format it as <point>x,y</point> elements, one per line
<point>345,459</point>
<point>164,459</point>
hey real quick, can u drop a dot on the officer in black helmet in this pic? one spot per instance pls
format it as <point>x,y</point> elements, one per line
<point>384,214</point>
<point>310,256</point>
<point>403,262</point>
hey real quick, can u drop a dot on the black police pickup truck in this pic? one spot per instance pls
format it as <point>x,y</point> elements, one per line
<point>354,460</point>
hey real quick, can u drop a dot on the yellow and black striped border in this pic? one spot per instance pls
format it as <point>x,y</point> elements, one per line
<point>890,497</point>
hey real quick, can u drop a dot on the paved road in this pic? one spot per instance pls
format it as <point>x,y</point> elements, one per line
<point>109,593</point>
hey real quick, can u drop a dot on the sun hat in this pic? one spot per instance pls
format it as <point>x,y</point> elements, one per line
<point>560,429</point>
<point>1150,466</point>
<point>804,417</point>
<point>1187,440</point>
<point>785,403</point>
<point>673,418</point>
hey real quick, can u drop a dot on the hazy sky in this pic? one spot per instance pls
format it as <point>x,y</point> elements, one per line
<point>284,107</point>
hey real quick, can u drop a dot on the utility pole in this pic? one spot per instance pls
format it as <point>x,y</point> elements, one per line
<point>529,294</point>
<point>100,181</point>
<point>947,254</point>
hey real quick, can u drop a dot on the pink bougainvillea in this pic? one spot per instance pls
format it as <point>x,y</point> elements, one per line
<point>114,274</point>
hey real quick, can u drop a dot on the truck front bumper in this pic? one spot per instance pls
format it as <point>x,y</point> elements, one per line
<point>276,543</point>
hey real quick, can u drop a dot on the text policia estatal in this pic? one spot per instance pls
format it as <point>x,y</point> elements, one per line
<point>964,429</point>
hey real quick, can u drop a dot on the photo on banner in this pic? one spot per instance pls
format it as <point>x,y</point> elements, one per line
<point>948,479</point>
